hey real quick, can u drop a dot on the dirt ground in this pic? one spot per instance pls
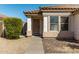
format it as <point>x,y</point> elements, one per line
<point>24,45</point>
<point>13,46</point>
<point>60,46</point>
<point>37,45</point>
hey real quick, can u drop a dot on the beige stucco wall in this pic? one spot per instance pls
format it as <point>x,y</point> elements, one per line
<point>58,34</point>
<point>45,26</point>
<point>76,27</point>
<point>66,34</point>
<point>71,23</point>
<point>29,27</point>
<point>41,26</point>
<point>29,33</point>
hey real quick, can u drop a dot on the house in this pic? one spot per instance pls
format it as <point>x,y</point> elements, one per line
<point>54,21</point>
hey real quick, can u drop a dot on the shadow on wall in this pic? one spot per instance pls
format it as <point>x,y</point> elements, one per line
<point>66,36</point>
<point>24,29</point>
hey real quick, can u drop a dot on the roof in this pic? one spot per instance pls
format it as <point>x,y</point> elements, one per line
<point>32,12</point>
<point>57,8</point>
<point>63,6</point>
<point>66,8</point>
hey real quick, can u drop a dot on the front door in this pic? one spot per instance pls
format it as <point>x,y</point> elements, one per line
<point>36,26</point>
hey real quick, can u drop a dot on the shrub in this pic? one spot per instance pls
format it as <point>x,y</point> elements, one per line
<point>13,27</point>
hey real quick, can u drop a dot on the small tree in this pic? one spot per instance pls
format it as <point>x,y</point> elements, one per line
<point>13,27</point>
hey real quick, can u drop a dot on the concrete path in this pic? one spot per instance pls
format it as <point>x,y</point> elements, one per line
<point>35,46</point>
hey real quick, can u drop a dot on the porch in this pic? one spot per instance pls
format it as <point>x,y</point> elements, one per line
<point>35,26</point>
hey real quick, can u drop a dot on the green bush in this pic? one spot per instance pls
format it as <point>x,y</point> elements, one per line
<point>13,27</point>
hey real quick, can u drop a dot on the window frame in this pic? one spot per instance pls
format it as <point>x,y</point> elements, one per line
<point>64,23</point>
<point>54,23</point>
<point>59,24</point>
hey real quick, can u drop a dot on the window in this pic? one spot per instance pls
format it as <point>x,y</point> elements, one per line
<point>64,23</point>
<point>54,23</point>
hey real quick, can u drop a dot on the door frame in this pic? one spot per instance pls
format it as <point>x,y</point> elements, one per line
<point>35,34</point>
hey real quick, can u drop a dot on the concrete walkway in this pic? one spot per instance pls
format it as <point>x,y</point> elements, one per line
<point>35,46</point>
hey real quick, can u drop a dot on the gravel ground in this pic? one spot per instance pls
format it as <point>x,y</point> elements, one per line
<point>60,46</point>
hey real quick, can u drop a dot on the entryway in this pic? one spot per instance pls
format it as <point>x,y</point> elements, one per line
<point>36,27</point>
